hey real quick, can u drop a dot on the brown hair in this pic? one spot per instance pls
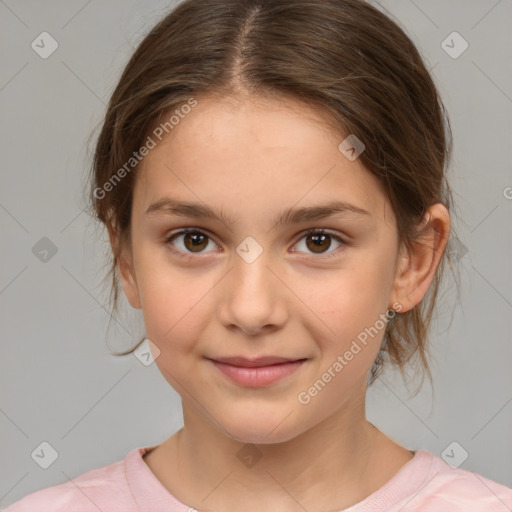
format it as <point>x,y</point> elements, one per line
<point>344,57</point>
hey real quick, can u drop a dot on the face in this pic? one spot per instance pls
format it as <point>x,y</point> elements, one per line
<point>252,282</point>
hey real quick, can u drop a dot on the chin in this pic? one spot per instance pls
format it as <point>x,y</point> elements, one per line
<point>260,428</point>
<point>261,437</point>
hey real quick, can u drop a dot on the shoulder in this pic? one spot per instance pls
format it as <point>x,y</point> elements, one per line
<point>106,486</point>
<point>458,490</point>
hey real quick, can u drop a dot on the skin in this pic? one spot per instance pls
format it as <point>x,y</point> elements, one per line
<point>253,158</point>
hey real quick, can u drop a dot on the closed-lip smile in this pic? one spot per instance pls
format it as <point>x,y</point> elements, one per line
<point>255,363</point>
<point>257,372</point>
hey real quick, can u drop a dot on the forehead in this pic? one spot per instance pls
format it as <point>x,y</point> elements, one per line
<point>247,153</point>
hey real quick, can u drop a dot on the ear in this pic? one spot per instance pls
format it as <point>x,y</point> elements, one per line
<point>417,267</point>
<point>126,270</point>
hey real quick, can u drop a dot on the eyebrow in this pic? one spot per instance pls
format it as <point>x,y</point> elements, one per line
<point>170,206</point>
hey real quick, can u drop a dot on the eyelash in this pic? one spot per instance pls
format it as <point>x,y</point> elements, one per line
<point>314,231</point>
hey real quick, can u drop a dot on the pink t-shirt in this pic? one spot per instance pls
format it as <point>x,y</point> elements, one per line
<point>425,484</point>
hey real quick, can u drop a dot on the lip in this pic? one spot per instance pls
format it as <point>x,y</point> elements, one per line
<point>258,372</point>
<point>254,363</point>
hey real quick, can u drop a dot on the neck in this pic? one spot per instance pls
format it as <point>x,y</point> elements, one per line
<point>333,465</point>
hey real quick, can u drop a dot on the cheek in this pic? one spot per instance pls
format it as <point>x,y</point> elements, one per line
<point>174,322</point>
<point>173,317</point>
<point>350,308</point>
<point>175,303</point>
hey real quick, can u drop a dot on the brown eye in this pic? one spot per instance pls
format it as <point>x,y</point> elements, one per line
<point>319,242</point>
<point>190,241</point>
<point>195,242</point>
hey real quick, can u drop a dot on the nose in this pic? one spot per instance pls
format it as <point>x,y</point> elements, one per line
<point>252,298</point>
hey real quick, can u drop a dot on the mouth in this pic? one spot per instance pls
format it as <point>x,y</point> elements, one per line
<point>258,372</point>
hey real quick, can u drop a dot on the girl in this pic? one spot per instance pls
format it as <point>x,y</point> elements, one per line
<point>271,174</point>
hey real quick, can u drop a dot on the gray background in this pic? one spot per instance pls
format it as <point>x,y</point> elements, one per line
<point>60,385</point>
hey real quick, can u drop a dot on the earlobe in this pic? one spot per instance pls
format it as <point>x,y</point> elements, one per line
<point>126,271</point>
<point>418,265</point>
